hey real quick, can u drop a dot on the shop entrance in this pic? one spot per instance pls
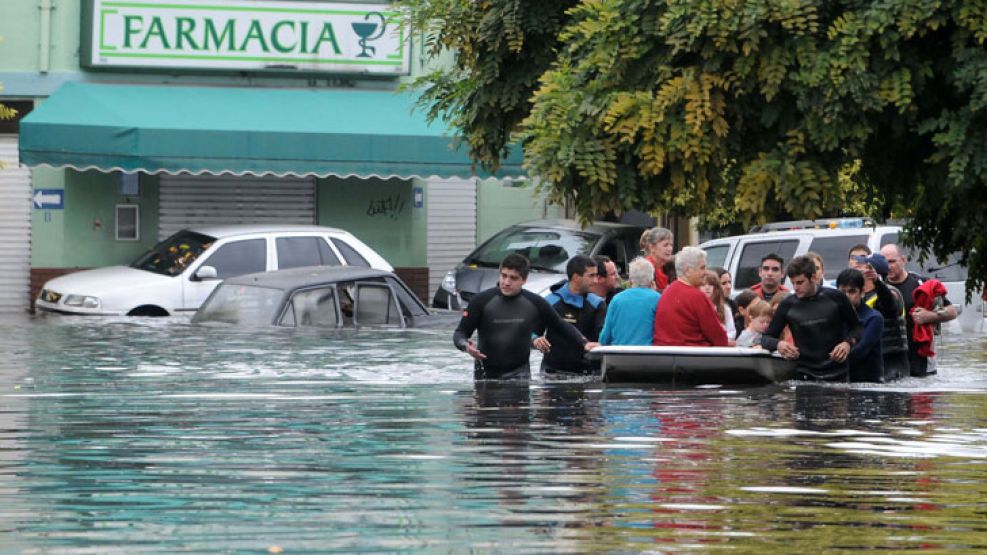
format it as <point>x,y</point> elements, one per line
<point>195,200</point>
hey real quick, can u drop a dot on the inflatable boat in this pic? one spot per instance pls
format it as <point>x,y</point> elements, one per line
<point>692,365</point>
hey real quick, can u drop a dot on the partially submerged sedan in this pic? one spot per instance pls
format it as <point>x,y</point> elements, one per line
<point>320,296</point>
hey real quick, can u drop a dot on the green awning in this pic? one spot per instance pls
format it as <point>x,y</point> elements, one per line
<point>257,131</point>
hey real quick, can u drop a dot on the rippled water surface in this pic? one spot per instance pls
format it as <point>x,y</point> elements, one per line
<point>158,436</point>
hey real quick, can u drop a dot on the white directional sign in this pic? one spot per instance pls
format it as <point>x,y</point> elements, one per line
<point>49,199</point>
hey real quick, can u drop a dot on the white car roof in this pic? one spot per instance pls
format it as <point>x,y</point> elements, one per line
<point>833,232</point>
<point>220,231</point>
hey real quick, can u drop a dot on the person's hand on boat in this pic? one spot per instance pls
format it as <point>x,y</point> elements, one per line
<point>541,343</point>
<point>590,345</point>
<point>840,352</point>
<point>473,351</point>
<point>787,350</point>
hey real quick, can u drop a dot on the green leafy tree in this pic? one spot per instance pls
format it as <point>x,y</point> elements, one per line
<point>730,109</point>
<point>6,112</point>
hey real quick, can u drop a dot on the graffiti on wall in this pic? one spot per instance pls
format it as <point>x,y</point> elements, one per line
<point>390,206</point>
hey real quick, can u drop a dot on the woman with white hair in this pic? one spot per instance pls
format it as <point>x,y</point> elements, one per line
<point>685,316</point>
<point>657,245</point>
<point>631,313</point>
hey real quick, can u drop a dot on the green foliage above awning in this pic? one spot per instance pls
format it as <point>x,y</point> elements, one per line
<point>216,130</point>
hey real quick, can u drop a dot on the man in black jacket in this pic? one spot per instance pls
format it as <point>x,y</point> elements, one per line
<point>574,302</point>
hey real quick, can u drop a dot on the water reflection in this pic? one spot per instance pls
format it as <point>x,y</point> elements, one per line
<point>123,436</point>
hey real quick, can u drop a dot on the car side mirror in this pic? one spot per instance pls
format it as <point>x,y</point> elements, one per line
<point>206,273</point>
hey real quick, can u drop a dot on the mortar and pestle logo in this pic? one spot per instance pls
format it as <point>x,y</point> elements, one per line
<point>367,31</point>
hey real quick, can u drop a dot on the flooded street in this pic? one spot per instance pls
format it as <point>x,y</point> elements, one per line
<point>159,436</point>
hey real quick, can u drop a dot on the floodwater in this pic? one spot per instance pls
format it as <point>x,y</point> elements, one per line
<point>158,436</point>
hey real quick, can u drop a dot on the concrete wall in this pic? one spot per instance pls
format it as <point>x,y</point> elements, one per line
<point>83,233</point>
<point>380,212</point>
<point>499,206</point>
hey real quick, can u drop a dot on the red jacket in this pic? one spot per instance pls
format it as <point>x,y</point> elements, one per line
<point>661,280</point>
<point>686,318</point>
<point>925,297</point>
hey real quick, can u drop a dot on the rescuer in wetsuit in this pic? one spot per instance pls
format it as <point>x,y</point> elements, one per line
<point>823,323</point>
<point>506,316</point>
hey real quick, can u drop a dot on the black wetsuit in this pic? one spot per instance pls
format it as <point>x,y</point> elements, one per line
<point>818,324</point>
<point>505,326</point>
<point>918,365</point>
<point>587,313</point>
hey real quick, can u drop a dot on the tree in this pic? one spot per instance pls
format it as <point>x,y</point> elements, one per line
<point>6,112</point>
<point>730,108</point>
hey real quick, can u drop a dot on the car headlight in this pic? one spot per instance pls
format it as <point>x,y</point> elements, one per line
<point>449,281</point>
<point>82,301</point>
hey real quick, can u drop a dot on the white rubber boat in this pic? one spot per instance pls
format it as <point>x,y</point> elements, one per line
<point>694,365</point>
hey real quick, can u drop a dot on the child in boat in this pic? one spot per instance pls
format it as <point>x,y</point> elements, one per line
<point>760,312</point>
<point>744,300</point>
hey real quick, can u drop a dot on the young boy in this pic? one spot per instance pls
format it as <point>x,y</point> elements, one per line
<point>866,362</point>
<point>760,313</point>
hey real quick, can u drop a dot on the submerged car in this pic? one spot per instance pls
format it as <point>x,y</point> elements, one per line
<point>548,244</point>
<point>322,297</point>
<point>181,271</point>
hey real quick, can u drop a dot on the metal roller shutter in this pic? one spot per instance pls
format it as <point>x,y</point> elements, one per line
<point>188,200</point>
<point>15,228</point>
<point>451,226</point>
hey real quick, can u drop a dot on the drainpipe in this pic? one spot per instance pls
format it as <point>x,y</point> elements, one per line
<point>44,59</point>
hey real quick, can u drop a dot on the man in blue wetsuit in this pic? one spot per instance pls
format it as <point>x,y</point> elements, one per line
<point>823,323</point>
<point>506,317</point>
<point>865,358</point>
<point>574,302</point>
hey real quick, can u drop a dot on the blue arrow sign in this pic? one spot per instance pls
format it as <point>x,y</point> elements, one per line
<point>49,199</point>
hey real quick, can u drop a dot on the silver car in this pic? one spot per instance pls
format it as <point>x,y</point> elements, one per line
<point>548,244</point>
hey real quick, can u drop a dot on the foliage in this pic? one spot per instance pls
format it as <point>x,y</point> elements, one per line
<point>731,108</point>
<point>6,113</point>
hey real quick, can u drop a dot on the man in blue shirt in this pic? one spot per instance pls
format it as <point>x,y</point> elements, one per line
<point>866,362</point>
<point>631,314</point>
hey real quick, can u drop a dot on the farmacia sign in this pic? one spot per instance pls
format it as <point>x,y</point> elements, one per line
<point>245,35</point>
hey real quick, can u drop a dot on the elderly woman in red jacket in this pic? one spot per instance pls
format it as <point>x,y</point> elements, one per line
<point>685,315</point>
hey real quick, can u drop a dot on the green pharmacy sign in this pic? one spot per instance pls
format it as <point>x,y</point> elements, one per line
<point>239,35</point>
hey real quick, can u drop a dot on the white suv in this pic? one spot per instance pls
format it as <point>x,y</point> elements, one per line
<point>179,273</point>
<point>832,239</point>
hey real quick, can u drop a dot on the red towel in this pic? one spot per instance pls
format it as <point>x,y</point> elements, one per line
<point>925,297</point>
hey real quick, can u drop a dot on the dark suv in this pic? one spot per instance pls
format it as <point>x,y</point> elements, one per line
<point>548,244</point>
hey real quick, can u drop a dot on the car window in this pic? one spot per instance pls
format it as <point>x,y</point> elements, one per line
<point>410,305</point>
<point>313,307</point>
<point>614,249</point>
<point>171,256</point>
<point>547,249</point>
<point>352,257</point>
<point>950,270</point>
<point>245,305</point>
<point>835,251</point>
<point>376,305</point>
<point>238,258</point>
<point>716,256</point>
<point>632,245</point>
<point>294,252</point>
<point>751,255</point>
